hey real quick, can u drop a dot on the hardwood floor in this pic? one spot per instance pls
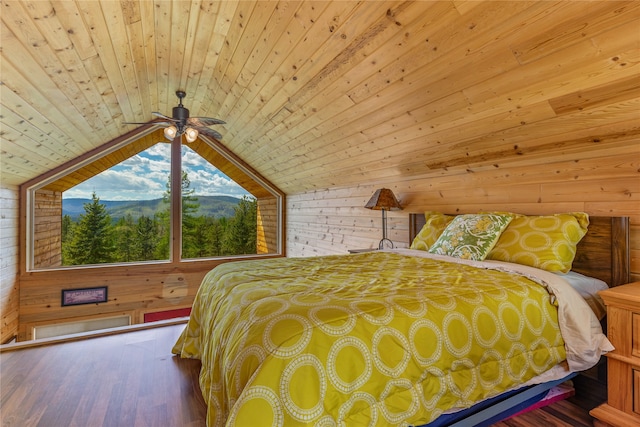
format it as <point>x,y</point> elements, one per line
<point>132,379</point>
<point>125,380</point>
<point>572,412</point>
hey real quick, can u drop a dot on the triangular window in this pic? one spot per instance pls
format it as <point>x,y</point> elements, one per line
<point>116,207</point>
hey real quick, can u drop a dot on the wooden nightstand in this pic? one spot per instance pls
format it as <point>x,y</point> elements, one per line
<point>623,364</point>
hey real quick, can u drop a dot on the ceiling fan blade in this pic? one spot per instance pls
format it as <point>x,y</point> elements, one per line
<point>204,121</point>
<point>209,132</point>
<point>151,122</point>
<point>162,116</point>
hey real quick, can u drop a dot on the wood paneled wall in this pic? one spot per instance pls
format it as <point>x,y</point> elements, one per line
<point>133,291</point>
<point>9,298</point>
<point>334,220</point>
<point>47,229</point>
<point>267,220</point>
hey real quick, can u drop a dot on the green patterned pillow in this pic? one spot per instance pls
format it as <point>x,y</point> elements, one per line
<point>432,229</point>
<point>547,242</point>
<point>471,236</point>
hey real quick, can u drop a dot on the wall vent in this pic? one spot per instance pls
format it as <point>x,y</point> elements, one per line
<point>59,329</point>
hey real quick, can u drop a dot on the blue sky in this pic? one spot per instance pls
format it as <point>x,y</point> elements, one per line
<point>144,177</point>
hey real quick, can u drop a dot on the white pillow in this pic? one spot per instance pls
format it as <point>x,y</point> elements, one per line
<point>588,288</point>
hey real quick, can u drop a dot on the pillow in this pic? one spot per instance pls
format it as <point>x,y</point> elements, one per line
<point>432,229</point>
<point>545,242</point>
<point>588,288</point>
<point>585,285</point>
<point>471,236</point>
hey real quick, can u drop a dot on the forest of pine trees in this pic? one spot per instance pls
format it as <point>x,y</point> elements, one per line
<point>96,238</point>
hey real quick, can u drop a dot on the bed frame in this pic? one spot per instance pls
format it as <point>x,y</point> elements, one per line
<point>602,253</point>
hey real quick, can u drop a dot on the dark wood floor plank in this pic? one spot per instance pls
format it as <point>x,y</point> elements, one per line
<point>571,412</point>
<point>132,379</point>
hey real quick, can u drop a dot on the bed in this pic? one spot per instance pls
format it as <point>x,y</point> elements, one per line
<point>395,337</point>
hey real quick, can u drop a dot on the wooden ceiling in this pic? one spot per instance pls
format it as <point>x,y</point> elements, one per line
<point>319,94</point>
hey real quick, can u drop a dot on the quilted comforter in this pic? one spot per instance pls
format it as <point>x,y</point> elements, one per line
<point>379,338</point>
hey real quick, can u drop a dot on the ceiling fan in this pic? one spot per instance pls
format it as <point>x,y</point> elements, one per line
<point>182,124</point>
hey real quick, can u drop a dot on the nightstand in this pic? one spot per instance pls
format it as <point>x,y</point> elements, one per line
<point>359,251</point>
<point>623,364</point>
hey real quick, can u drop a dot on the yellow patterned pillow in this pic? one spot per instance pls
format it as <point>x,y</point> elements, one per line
<point>435,225</point>
<point>546,242</point>
<point>471,236</point>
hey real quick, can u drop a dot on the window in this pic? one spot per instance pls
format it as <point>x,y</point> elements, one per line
<point>116,206</point>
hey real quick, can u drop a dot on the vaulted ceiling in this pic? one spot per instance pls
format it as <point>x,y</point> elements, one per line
<point>315,93</point>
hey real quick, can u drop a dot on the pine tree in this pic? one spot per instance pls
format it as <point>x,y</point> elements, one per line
<point>92,238</point>
<point>216,236</point>
<point>190,206</point>
<point>147,238</point>
<point>199,244</point>
<point>241,234</point>
<point>125,239</point>
<point>162,220</point>
<point>68,227</point>
<point>191,240</point>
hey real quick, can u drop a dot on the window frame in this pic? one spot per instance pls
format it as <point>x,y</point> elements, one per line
<point>29,189</point>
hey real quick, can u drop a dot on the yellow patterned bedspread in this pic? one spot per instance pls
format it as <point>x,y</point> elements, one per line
<point>366,339</point>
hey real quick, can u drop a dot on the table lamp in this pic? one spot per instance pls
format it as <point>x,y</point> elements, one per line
<point>384,200</point>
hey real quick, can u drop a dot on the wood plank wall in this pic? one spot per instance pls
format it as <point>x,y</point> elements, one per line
<point>267,235</point>
<point>134,290</point>
<point>9,297</point>
<point>47,230</point>
<point>331,221</point>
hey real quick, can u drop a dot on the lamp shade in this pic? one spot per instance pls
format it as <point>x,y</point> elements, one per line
<point>191,134</point>
<point>383,199</point>
<point>170,132</point>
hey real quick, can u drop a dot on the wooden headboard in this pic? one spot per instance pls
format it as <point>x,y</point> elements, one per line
<point>602,253</point>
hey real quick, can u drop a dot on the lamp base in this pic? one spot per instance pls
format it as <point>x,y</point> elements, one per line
<point>385,244</point>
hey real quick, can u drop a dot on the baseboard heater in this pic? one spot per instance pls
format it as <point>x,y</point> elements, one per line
<point>89,325</point>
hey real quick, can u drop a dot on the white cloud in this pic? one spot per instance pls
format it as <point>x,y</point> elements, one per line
<point>208,183</point>
<point>192,159</point>
<point>119,185</point>
<point>144,176</point>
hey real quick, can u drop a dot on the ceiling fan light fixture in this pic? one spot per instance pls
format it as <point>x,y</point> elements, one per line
<point>191,134</point>
<point>170,132</point>
<point>180,123</point>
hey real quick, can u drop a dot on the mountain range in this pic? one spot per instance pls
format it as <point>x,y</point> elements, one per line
<point>216,206</point>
